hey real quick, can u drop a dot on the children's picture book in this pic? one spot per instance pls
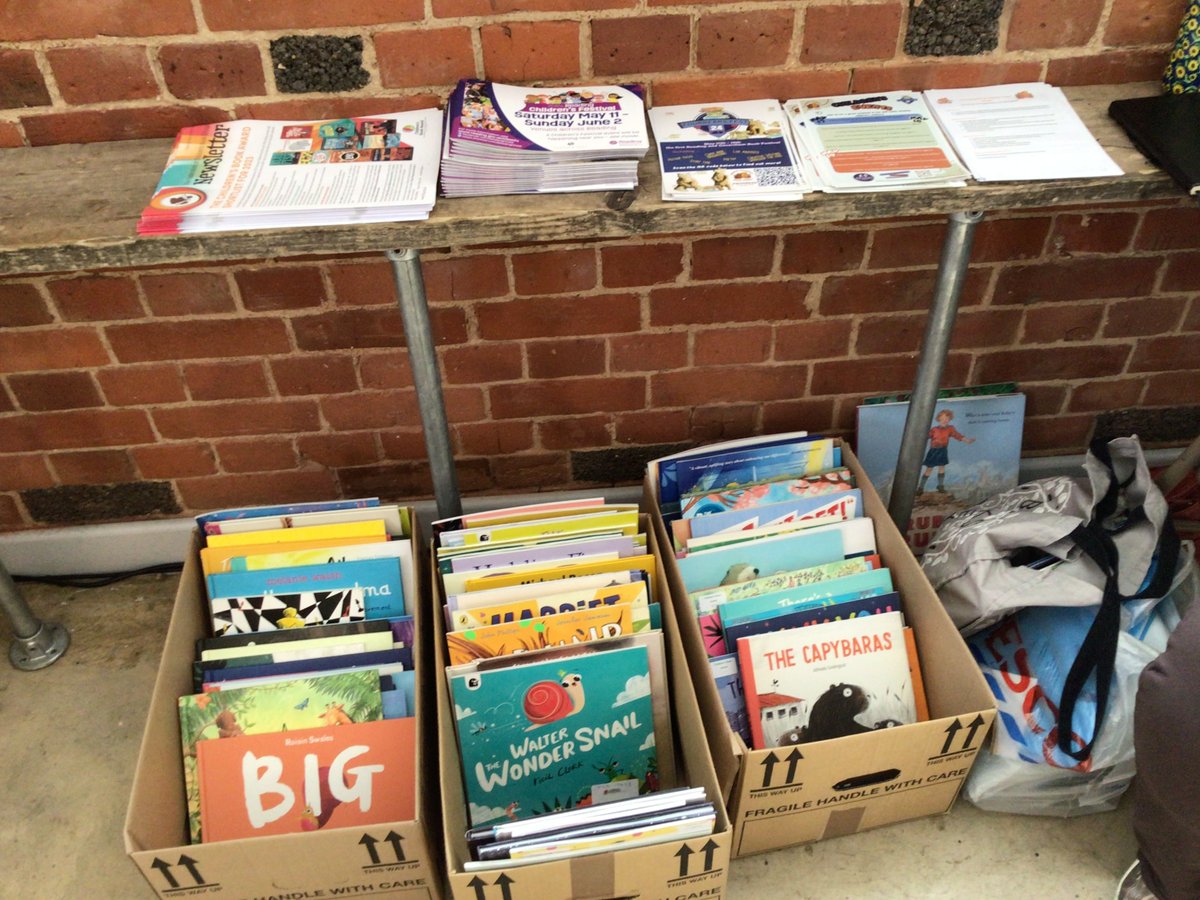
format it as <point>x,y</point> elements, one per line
<point>826,681</point>
<point>290,643</point>
<point>305,780</point>
<point>524,554</point>
<point>815,509</point>
<point>286,535</point>
<point>973,452</point>
<point>622,519</point>
<point>550,587</point>
<point>634,593</point>
<point>559,630</point>
<point>865,584</point>
<point>513,514</point>
<point>707,600</point>
<point>546,734</point>
<point>212,522</point>
<point>224,559</point>
<point>780,490</point>
<point>728,678</point>
<point>568,569</point>
<point>813,612</point>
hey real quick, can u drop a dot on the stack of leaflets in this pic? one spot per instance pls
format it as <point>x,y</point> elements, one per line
<point>233,176</point>
<point>311,658</point>
<point>506,139</point>
<point>727,151</point>
<point>879,142</point>
<point>973,451</point>
<point>557,673</point>
<point>799,617</point>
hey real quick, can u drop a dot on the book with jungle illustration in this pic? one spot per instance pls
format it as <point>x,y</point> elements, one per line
<point>558,630</point>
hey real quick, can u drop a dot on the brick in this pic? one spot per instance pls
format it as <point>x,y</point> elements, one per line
<point>75,428</point>
<point>530,51</point>
<point>530,471</point>
<point>1182,272</point>
<point>428,56</point>
<point>336,107</point>
<point>797,415</point>
<point>101,74</point>
<point>226,380</point>
<point>813,252</point>
<point>985,327</point>
<point>1141,22</point>
<point>907,245</point>
<point>183,460</point>
<point>314,374</point>
<point>462,277</point>
<point>1042,24</point>
<point>559,317</point>
<point>25,471</point>
<point>834,34</point>
<point>1092,232</point>
<point>877,375</point>
<point>721,423</point>
<point>648,351</point>
<point>359,283</point>
<point>205,339</point>
<point>729,346</point>
<point>10,513</point>
<point>405,445</point>
<point>1064,434</point>
<point>6,402</point>
<point>57,390</point>
<point>733,257</point>
<point>453,9</point>
<point>260,488</point>
<point>1166,354</point>
<point>21,81</point>
<point>1044,399</point>
<point>1144,316</point>
<point>141,385</point>
<point>1174,228</point>
<point>1110,67</point>
<point>379,371</point>
<point>96,298</point>
<point>482,363</point>
<point>494,438</point>
<point>567,358</point>
<point>641,44</point>
<point>574,433</point>
<point>889,334</point>
<point>1062,322</point>
<point>335,451</point>
<point>297,15</point>
<point>728,384</point>
<point>58,348</point>
<point>1165,390</point>
<point>567,397</point>
<point>641,264</point>
<point>891,291</point>
<point>10,135</point>
<point>279,288</point>
<point>651,427</point>
<point>995,240</point>
<point>1083,279</point>
<point>55,19</point>
<point>740,40</point>
<point>124,124</point>
<point>349,328</point>
<point>93,467</point>
<point>1106,394</point>
<point>924,77</point>
<point>708,304</point>
<point>371,409</point>
<point>466,404</point>
<point>814,339</point>
<point>675,90</point>
<point>230,419</point>
<point>1191,319</point>
<point>554,272</point>
<point>1061,364</point>
<point>187,293</point>
<point>270,455</point>
<point>22,305</point>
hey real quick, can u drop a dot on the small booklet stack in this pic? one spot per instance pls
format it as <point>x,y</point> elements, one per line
<point>802,624</point>
<point>309,667</point>
<point>506,139</point>
<point>233,176</point>
<point>727,151</point>
<point>559,686</point>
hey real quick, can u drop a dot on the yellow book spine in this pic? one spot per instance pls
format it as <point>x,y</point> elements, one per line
<point>304,533</point>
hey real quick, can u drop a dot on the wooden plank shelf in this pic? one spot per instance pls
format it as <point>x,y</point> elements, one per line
<point>75,207</point>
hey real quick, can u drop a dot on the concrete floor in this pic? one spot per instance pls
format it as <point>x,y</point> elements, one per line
<point>71,734</point>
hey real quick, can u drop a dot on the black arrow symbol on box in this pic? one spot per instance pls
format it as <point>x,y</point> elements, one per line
<point>479,884</point>
<point>951,730</point>
<point>369,842</point>
<point>190,864</point>
<point>395,840</point>
<point>165,867</point>
<point>793,759</point>
<point>684,853</point>
<point>504,881</point>
<point>768,763</point>
<point>975,726</point>
<point>709,849</point>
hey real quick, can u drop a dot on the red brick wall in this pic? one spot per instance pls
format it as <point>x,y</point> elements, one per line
<point>267,381</point>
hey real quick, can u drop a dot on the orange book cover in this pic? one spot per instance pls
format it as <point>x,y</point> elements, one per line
<point>295,781</point>
<point>918,682</point>
<point>559,630</point>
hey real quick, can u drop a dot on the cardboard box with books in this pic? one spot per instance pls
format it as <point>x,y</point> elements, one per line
<point>835,692</point>
<point>572,755</point>
<point>289,747</point>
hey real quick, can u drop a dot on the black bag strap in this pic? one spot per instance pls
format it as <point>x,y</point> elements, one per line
<point>1098,652</point>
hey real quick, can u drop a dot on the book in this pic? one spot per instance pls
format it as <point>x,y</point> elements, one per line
<point>728,678</point>
<point>827,681</point>
<point>557,630</point>
<point>635,593</point>
<point>519,592</point>
<point>290,643</point>
<point>513,514</point>
<point>569,569</point>
<point>815,611</point>
<point>220,559</point>
<point>306,780</point>
<point>622,519</point>
<point>217,671</point>
<point>368,529</point>
<point>524,553</point>
<point>866,584</point>
<point>212,522</point>
<point>394,518</point>
<point>842,505</point>
<point>739,150</point>
<point>709,599</point>
<point>828,481</point>
<point>1166,129</point>
<point>249,173</point>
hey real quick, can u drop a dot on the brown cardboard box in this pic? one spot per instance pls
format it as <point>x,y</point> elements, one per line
<point>696,868</point>
<point>395,858</point>
<point>781,797</point>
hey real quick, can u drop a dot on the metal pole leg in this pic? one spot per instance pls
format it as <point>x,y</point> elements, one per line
<point>410,286</point>
<point>952,271</point>
<point>36,644</point>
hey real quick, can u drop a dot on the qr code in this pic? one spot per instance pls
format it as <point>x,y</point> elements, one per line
<point>776,177</point>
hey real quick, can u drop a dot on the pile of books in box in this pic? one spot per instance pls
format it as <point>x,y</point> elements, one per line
<point>506,139</point>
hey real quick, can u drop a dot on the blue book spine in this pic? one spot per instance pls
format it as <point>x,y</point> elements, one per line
<point>819,613</point>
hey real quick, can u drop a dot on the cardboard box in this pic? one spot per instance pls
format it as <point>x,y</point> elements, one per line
<point>780,797</point>
<point>695,868</point>
<point>396,858</point>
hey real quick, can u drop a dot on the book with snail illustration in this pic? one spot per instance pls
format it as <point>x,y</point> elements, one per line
<point>557,729</point>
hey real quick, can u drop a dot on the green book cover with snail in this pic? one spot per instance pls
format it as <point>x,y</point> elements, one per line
<point>555,732</point>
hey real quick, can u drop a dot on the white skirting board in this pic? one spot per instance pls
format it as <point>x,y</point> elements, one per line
<point>129,546</point>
